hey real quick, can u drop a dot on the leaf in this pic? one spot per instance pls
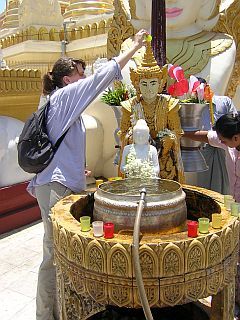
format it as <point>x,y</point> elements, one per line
<point>115,96</point>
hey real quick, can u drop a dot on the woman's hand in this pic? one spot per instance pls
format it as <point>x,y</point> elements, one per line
<point>138,42</point>
<point>140,38</point>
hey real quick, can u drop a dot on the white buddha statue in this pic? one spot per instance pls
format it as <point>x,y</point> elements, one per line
<point>191,43</point>
<point>140,159</point>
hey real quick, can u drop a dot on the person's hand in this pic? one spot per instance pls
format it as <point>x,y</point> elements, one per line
<point>88,173</point>
<point>140,38</point>
<point>138,42</point>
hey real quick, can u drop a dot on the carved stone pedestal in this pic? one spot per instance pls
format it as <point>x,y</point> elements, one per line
<point>94,272</point>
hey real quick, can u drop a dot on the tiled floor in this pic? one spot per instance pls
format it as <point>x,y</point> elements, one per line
<point>20,257</point>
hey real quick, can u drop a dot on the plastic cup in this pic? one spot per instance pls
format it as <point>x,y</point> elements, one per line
<point>229,203</point>
<point>217,220</point>
<point>234,209</point>
<point>108,228</point>
<point>97,228</point>
<point>228,199</point>
<point>85,223</point>
<point>192,229</point>
<point>98,182</point>
<point>203,225</point>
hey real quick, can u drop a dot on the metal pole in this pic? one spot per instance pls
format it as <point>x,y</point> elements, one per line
<point>158,27</point>
<point>65,36</point>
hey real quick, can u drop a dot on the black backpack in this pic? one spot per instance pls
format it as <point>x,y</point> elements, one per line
<point>35,150</point>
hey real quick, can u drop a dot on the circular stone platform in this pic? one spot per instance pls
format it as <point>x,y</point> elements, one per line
<point>94,272</point>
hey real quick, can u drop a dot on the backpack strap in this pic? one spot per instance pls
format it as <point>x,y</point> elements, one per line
<point>57,144</point>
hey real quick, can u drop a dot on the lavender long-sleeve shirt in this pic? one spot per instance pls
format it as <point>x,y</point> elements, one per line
<point>66,107</point>
<point>221,106</point>
<point>232,164</point>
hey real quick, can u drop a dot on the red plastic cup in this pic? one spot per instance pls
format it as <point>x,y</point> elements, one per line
<point>192,229</point>
<point>108,228</point>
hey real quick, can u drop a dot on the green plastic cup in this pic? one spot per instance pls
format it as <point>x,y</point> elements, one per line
<point>203,225</point>
<point>235,209</point>
<point>85,223</point>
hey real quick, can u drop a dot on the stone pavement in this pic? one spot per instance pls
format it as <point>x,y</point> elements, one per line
<point>20,257</point>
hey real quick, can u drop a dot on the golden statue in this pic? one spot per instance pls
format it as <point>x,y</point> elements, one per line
<point>167,149</point>
<point>160,112</point>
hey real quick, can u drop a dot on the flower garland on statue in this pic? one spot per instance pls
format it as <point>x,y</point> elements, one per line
<point>137,168</point>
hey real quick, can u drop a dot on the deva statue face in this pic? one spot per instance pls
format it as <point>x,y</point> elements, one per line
<point>149,89</point>
<point>148,79</point>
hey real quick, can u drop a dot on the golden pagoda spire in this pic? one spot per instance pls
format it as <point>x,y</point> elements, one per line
<point>11,18</point>
<point>79,8</point>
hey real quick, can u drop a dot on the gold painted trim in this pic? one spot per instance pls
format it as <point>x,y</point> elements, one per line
<point>32,33</point>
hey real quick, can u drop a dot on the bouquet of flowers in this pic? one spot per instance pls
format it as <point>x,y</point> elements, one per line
<point>188,91</point>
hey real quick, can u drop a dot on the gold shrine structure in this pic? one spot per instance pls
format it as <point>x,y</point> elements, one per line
<point>19,92</point>
<point>95,272</point>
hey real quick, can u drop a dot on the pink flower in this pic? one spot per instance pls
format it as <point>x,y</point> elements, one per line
<point>180,87</point>
<point>193,85</point>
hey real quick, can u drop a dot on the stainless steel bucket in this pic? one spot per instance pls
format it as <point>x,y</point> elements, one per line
<point>165,210</point>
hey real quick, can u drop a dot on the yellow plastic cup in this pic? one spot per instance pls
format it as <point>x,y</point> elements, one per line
<point>98,182</point>
<point>217,220</point>
<point>85,223</point>
<point>114,178</point>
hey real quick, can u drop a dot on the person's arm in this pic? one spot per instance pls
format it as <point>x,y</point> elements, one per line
<point>138,42</point>
<point>232,108</point>
<point>76,97</point>
<point>201,136</point>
